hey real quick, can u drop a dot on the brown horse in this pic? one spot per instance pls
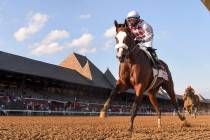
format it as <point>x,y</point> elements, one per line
<point>136,71</point>
<point>191,101</point>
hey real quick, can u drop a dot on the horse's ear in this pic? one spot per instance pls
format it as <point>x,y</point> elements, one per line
<point>115,23</point>
<point>126,23</point>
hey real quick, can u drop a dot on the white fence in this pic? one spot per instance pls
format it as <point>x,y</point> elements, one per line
<point>80,113</point>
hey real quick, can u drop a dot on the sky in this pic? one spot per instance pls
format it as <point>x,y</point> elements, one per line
<point>49,31</point>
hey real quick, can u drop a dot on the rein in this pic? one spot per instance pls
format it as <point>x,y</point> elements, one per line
<point>155,77</point>
<point>130,51</point>
<point>127,54</point>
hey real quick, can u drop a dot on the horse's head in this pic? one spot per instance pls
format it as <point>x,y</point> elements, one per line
<point>124,40</point>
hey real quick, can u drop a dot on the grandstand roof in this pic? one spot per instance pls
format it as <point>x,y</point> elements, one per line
<point>208,100</point>
<point>202,99</point>
<point>75,68</point>
<point>85,67</point>
<point>109,76</point>
<point>19,64</point>
<point>179,97</point>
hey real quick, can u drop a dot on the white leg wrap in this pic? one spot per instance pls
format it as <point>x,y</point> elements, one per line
<point>159,123</point>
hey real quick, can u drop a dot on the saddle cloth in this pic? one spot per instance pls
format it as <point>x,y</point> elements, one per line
<point>156,72</point>
<point>160,73</point>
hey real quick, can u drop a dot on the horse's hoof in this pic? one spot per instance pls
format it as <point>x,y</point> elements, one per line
<point>183,118</point>
<point>186,124</point>
<point>102,114</point>
<point>130,130</point>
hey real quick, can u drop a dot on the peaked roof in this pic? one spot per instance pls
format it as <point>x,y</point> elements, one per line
<point>85,67</point>
<point>201,97</point>
<point>81,59</point>
<point>109,76</point>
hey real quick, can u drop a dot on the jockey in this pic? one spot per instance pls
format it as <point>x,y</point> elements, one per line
<point>143,33</point>
<point>189,88</point>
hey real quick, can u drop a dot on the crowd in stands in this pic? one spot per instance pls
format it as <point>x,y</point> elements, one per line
<point>18,99</point>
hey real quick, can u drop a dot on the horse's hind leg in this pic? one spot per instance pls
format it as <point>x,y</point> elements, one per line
<point>154,102</point>
<point>168,86</point>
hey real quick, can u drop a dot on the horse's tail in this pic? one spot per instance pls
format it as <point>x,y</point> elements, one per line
<point>167,70</point>
<point>197,100</point>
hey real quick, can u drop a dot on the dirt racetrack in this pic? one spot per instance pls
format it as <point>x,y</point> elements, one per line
<point>64,128</point>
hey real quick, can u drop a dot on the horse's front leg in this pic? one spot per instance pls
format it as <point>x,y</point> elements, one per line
<point>137,100</point>
<point>107,104</point>
<point>195,112</point>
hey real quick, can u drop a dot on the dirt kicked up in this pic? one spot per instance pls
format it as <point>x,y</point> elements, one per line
<point>65,128</point>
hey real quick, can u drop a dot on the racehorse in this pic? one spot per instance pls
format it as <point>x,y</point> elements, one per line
<point>136,71</point>
<point>191,101</point>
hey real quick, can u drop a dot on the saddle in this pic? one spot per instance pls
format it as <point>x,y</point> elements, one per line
<point>148,54</point>
<point>157,71</point>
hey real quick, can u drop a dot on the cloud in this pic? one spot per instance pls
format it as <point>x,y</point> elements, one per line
<point>50,48</point>
<point>35,24</point>
<point>83,41</point>
<point>110,32</point>
<point>49,44</point>
<point>85,50</point>
<point>55,35</point>
<point>82,44</point>
<point>87,16</point>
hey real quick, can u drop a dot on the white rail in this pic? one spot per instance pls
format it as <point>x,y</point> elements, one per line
<point>85,113</point>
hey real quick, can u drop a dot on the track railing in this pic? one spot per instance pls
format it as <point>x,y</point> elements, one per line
<point>80,113</point>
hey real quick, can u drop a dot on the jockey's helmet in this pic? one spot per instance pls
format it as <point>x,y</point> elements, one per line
<point>133,14</point>
<point>133,17</point>
<point>189,87</point>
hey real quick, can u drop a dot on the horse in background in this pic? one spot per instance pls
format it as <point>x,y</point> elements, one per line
<point>191,101</point>
<point>136,72</point>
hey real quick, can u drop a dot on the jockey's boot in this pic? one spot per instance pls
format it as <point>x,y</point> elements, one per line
<point>155,57</point>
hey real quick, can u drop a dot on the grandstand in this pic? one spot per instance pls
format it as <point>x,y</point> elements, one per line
<point>76,85</point>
